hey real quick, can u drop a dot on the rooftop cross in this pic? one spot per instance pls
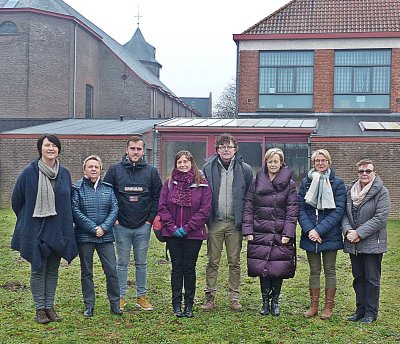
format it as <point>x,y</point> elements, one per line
<point>138,16</point>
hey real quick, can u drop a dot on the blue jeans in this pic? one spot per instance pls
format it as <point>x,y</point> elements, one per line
<point>139,239</point>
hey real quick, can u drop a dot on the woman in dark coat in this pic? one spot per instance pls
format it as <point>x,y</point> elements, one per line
<point>364,229</point>
<point>184,208</point>
<point>44,232</point>
<point>95,210</point>
<point>269,224</point>
<point>322,200</point>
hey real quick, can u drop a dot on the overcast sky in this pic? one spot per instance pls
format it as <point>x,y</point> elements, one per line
<point>193,39</point>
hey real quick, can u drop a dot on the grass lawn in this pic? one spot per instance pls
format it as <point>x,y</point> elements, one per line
<point>220,326</point>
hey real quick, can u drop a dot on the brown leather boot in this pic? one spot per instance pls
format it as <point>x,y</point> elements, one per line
<point>329,303</point>
<point>52,315</point>
<point>209,305</point>
<point>314,296</point>
<point>41,316</point>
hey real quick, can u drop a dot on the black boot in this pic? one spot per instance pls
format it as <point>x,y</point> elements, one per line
<point>265,292</point>
<point>178,310</point>
<point>188,312</point>
<point>276,285</point>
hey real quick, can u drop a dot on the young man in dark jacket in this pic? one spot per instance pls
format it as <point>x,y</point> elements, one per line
<point>137,186</point>
<point>229,177</point>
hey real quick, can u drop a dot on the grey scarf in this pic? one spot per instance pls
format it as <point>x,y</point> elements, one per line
<point>320,194</point>
<point>45,200</point>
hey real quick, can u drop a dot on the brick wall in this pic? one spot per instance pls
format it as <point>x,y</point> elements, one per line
<point>323,80</point>
<point>248,81</point>
<point>384,154</point>
<point>37,69</point>
<point>73,152</point>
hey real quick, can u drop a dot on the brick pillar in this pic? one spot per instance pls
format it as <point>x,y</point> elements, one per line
<point>324,61</point>
<point>248,81</point>
<point>395,82</point>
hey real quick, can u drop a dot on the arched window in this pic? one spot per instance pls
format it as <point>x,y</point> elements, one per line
<point>8,27</point>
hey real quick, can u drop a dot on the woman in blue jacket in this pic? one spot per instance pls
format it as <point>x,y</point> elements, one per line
<point>44,230</point>
<point>95,210</point>
<point>322,200</point>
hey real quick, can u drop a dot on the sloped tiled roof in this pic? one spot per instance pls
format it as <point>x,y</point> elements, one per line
<point>331,16</point>
<point>60,7</point>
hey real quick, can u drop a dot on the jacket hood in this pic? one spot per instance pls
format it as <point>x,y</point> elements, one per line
<point>125,161</point>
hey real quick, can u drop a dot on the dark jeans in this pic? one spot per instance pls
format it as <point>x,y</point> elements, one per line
<point>108,261</point>
<point>44,282</point>
<point>366,270</point>
<point>184,254</point>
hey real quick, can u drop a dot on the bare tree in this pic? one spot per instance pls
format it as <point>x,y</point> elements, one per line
<point>226,103</point>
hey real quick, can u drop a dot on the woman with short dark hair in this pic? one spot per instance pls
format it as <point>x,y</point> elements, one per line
<point>44,230</point>
<point>364,229</point>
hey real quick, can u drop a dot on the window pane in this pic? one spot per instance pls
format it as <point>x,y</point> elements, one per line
<point>252,154</point>
<point>198,150</point>
<point>361,101</point>
<point>381,80</point>
<point>363,58</point>
<point>296,157</point>
<point>362,80</point>
<point>285,80</point>
<point>286,58</point>
<point>285,101</point>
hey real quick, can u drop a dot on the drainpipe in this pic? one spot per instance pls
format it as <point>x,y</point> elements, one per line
<point>74,75</point>
<point>237,79</point>
<point>155,148</point>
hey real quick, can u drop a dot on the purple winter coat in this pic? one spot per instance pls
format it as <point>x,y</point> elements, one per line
<point>192,219</point>
<point>270,212</point>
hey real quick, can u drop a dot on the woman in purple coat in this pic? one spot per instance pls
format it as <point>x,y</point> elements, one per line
<point>184,208</point>
<point>269,224</point>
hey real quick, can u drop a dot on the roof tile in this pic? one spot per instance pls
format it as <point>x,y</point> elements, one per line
<point>331,16</point>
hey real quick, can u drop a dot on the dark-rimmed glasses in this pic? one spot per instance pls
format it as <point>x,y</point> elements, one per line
<point>365,171</point>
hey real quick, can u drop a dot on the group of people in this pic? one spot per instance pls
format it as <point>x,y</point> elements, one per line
<point>222,203</point>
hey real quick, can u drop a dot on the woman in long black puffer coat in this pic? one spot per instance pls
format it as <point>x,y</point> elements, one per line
<point>269,224</point>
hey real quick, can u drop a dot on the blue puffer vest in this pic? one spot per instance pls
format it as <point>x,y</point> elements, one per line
<point>93,207</point>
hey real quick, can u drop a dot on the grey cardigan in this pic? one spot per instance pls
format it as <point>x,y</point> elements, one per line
<point>371,222</point>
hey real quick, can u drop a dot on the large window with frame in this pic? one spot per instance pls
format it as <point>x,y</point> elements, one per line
<point>362,79</point>
<point>286,80</point>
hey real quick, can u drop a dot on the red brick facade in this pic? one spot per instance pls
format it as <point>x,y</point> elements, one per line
<point>323,80</point>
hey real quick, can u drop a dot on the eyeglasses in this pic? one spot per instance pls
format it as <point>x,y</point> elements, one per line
<point>226,147</point>
<point>365,171</point>
<point>320,161</point>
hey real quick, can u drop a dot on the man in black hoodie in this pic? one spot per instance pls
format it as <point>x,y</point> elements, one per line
<point>137,186</point>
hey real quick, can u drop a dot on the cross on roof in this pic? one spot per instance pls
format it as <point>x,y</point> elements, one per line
<point>138,16</point>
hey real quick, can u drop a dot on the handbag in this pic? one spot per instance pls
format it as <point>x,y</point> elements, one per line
<point>157,228</point>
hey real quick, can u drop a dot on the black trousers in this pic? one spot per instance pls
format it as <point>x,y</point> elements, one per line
<point>366,270</point>
<point>108,261</point>
<point>184,254</point>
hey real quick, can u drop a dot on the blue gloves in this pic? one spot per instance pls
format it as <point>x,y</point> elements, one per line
<point>180,233</point>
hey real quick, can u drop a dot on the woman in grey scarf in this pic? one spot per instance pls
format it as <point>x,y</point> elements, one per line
<point>44,233</point>
<point>322,199</point>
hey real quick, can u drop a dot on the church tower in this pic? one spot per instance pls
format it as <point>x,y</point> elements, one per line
<point>144,52</point>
